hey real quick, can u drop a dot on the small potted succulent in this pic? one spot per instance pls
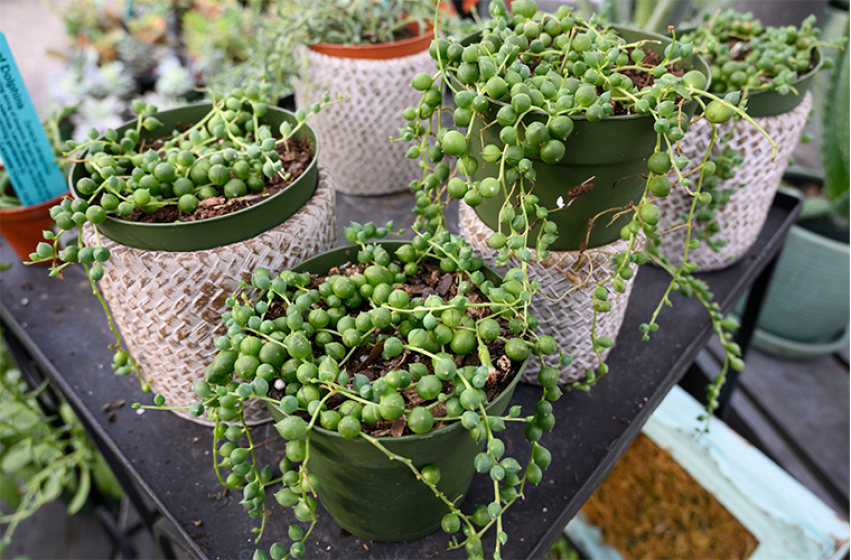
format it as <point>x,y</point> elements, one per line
<point>389,347</point>
<point>370,51</point>
<point>116,52</point>
<point>771,69</point>
<point>171,195</point>
<point>134,35</point>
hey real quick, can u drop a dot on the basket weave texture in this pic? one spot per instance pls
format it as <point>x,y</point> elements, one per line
<point>742,218</point>
<point>569,319</point>
<point>168,305</point>
<point>355,135</point>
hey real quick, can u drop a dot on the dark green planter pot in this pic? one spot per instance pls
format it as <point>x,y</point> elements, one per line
<point>378,499</point>
<point>221,230</point>
<point>613,151</point>
<point>770,103</point>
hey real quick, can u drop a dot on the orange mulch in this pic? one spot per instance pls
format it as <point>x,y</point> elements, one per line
<point>649,507</point>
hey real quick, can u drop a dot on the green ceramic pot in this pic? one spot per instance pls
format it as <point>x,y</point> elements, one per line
<point>221,230</point>
<point>612,153</point>
<point>808,297</point>
<point>375,498</point>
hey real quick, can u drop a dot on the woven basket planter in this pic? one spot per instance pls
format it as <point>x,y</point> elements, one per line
<point>355,135</point>
<point>168,305</point>
<point>568,319</point>
<point>742,218</point>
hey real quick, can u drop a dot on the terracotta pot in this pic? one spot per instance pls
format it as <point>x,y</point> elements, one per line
<point>379,51</point>
<point>22,227</point>
<point>378,79</point>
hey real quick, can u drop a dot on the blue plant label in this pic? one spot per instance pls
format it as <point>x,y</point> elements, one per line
<point>24,147</point>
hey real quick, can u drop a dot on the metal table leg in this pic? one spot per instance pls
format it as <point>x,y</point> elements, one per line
<point>743,336</point>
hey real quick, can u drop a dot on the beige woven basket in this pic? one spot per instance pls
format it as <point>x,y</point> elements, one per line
<point>355,135</point>
<point>168,305</point>
<point>568,319</point>
<point>742,218</point>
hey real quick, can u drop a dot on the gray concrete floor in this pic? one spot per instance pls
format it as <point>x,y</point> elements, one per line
<point>810,398</point>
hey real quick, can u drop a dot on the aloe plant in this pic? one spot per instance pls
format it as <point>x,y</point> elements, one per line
<point>835,150</point>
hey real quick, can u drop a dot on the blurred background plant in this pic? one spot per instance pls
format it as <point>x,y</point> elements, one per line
<point>133,33</point>
<point>228,42</point>
<point>830,204</point>
<point>220,41</point>
<point>43,457</point>
<point>166,49</point>
<point>117,50</point>
<point>651,15</point>
<point>270,51</point>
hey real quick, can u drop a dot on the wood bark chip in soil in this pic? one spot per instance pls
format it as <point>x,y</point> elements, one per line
<point>649,507</point>
<point>295,158</point>
<point>367,360</point>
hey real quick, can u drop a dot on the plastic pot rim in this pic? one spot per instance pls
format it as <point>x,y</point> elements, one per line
<point>778,345</point>
<point>699,64</point>
<point>314,162</point>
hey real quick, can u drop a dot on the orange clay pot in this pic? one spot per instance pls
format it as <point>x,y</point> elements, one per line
<point>22,227</point>
<point>379,51</point>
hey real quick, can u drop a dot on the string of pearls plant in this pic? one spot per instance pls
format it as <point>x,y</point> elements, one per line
<point>228,153</point>
<point>556,65</point>
<point>306,350</point>
<point>747,57</point>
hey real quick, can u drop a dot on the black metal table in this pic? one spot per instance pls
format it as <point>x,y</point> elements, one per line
<point>57,329</point>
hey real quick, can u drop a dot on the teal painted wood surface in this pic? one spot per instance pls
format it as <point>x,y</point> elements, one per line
<point>786,518</point>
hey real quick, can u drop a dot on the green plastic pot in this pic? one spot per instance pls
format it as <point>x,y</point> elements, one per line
<point>220,230</point>
<point>613,152</point>
<point>805,313</point>
<point>373,497</point>
<point>770,103</point>
<point>807,301</point>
